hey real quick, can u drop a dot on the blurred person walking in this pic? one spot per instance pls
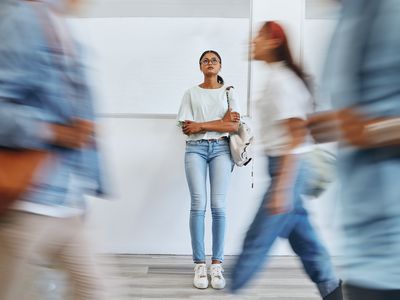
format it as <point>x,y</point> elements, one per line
<point>207,122</point>
<point>46,105</point>
<point>363,71</point>
<point>281,114</point>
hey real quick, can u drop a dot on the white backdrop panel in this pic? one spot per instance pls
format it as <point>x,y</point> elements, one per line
<point>144,65</point>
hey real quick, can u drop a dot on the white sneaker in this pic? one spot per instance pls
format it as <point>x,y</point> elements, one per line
<point>217,279</point>
<point>200,276</point>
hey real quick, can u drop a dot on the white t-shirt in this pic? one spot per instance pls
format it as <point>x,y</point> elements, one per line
<point>204,105</point>
<point>285,97</point>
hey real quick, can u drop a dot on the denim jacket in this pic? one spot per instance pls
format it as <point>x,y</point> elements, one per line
<point>364,70</point>
<point>40,86</point>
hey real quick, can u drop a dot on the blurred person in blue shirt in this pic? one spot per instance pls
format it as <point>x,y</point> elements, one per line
<point>46,104</point>
<point>363,70</point>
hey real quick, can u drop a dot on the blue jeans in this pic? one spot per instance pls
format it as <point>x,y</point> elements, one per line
<point>216,156</point>
<point>293,225</point>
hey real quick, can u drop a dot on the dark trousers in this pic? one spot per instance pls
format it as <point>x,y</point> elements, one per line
<point>352,292</point>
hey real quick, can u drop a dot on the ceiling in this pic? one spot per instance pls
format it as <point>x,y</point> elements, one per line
<point>169,8</point>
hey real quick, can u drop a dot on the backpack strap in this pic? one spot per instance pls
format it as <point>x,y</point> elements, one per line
<point>228,99</point>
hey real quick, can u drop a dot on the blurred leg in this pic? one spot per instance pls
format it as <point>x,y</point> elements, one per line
<point>264,230</point>
<point>18,237</point>
<point>314,256</point>
<point>78,259</point>
<point>27,239</point>
<point>259,239</point>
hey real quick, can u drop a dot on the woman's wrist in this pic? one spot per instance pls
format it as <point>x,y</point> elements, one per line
<point>383,132</point>
<point>281,188</point>
<point>202,126</point>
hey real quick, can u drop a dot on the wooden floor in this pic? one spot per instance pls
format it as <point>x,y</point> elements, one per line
<point>139,277</point>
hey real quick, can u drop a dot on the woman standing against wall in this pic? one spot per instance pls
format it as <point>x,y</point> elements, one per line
<point>207,122</point>
<point>281,115</point>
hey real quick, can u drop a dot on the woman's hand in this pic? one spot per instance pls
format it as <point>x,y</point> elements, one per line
<point>74,136</point>
<point>190,127</point>
<point>324,126</point>
<point>280,198</point>
<point>353,128</point>
<point>347,125</point>
<point>278,202</point>
<point>231,116</point>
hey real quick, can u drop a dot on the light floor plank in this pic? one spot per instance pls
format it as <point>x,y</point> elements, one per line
<point>139,277</point>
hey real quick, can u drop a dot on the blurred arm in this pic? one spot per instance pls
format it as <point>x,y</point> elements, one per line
<point>296,129</point>
<point>22,127</point>
<point>23,120</point>
<point>351,126</point>
<point>363,132</point>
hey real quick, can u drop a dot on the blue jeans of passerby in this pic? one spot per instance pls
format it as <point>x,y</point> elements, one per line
<point>293,225</point>
<point>216,156</point>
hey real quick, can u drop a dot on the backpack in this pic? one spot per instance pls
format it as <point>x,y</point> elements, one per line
<point>240,142</point>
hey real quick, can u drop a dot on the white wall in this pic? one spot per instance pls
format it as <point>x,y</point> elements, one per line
<point>151,208</point>
<point>147,71</point>
<point>149,212</point>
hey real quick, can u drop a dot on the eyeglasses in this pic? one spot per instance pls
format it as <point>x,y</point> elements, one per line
<point>213,61</point>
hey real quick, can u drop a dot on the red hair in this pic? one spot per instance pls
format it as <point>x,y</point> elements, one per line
<point>274,30</point>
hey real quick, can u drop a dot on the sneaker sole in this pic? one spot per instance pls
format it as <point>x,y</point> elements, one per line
<point>218,288</point>
<point>200,287</point>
